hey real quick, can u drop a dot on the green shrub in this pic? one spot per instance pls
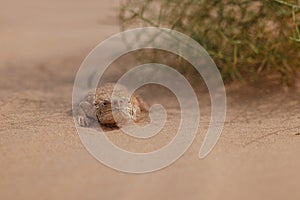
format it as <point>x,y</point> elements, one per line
<point>246,38</point>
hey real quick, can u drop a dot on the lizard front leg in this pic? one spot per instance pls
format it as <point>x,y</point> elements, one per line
<point>86,113</point>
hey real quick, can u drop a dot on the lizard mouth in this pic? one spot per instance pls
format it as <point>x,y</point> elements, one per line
<point>124,111</point>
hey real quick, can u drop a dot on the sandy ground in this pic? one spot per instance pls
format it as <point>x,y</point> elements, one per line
<point>41,156</point>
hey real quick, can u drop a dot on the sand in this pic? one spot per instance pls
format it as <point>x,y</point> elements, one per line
<point>41,156</point>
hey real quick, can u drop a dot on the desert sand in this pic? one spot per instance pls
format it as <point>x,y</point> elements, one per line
<point>42,44</point>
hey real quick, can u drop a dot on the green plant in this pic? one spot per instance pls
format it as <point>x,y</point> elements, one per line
<point>246,38</point>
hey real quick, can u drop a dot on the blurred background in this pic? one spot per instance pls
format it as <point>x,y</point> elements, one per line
<point>34,31</point>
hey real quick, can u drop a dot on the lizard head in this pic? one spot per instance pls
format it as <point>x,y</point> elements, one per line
<point>114,111</point>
